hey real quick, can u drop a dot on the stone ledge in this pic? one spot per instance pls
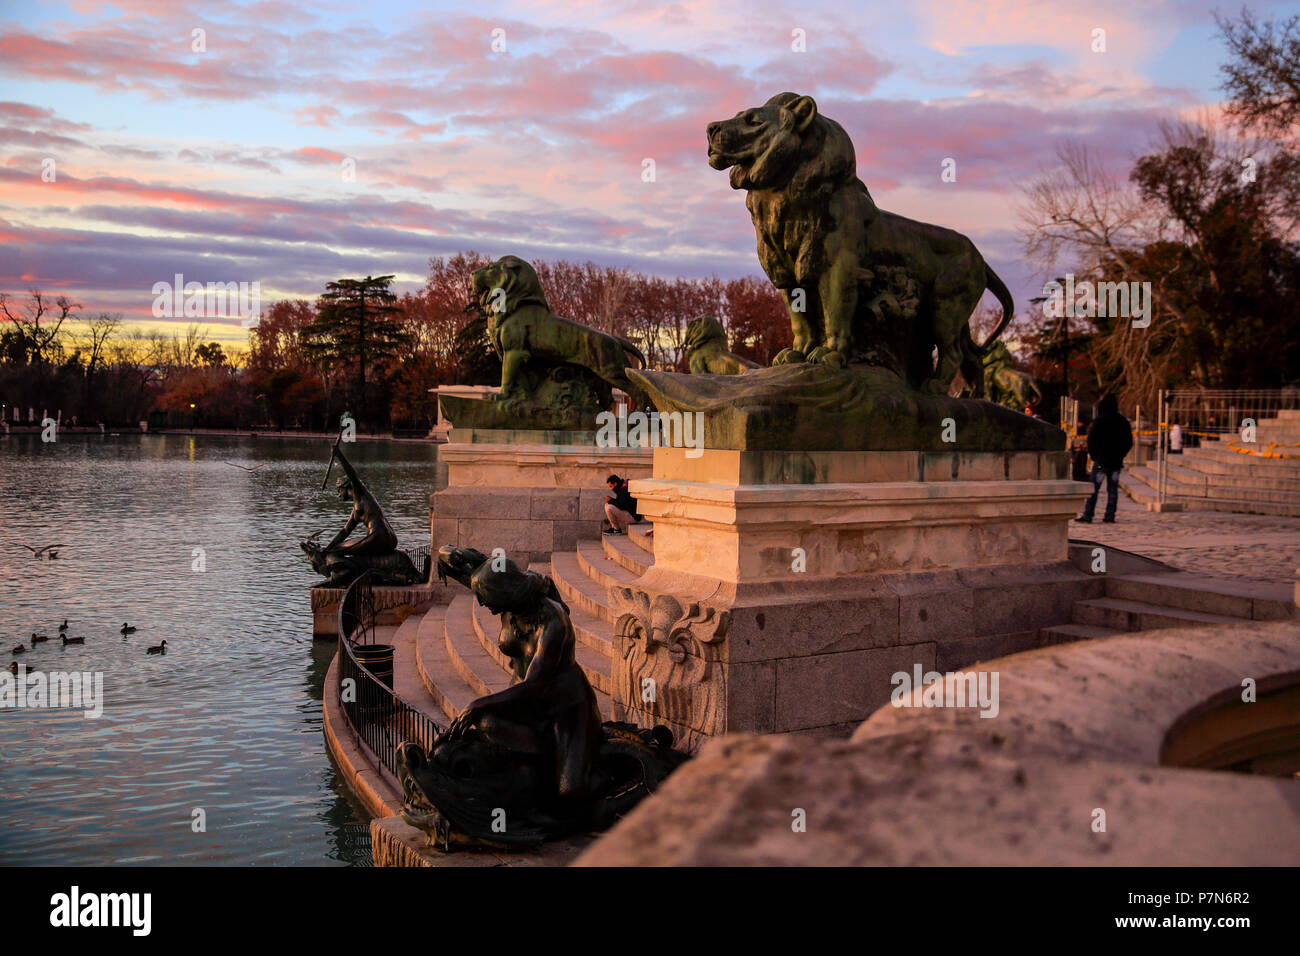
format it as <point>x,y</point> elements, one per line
<point>1115,698</point>
<point>393,604</point>
<point>1080,727</point>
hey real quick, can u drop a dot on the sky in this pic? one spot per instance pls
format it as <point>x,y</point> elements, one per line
<point>289,144</point>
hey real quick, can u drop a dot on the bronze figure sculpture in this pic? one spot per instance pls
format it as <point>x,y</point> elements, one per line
<point>533,761</point>
<point>823,242</point>
<point>342,561</point>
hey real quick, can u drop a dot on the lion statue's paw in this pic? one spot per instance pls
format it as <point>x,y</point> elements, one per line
<point>789,357</point>
<point>826,356</point>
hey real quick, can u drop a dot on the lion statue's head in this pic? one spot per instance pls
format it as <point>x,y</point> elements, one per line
<point>703,330</point>
<point>503,286</point>
<point>784,142</point>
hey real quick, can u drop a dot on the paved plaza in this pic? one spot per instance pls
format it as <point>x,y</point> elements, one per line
<point>1254,547</point>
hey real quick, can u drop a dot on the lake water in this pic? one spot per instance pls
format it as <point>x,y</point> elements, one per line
<point>229,719</point>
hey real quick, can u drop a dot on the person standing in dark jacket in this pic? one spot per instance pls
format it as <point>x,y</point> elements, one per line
<point>620,507</point>
<point>1109,439</point>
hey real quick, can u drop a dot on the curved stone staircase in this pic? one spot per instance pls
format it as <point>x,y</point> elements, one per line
<point>455,647</point>
<point>448,656</point>
<point>1215,477</point>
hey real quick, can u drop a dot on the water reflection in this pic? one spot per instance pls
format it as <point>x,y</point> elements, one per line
<point>229,720</point>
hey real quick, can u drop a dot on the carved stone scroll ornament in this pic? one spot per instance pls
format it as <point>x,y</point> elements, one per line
<point>668,661</point>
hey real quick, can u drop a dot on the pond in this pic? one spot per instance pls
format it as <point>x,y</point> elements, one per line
<point>211,753</point>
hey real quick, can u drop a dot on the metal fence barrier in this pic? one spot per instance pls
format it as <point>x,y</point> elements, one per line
<point>378,717</point>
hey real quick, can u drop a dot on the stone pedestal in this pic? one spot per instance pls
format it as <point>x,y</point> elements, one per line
<point>442,428</point>
<point>788,587</point>
<point>530,492</point>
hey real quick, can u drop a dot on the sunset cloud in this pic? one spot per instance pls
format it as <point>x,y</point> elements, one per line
<point>229,160</point>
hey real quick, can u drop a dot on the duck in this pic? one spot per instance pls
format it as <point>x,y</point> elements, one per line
<point>20,649</point>
<point>38,638</point>
<point>158,649</point>
<point>72,640</point>
<point>64,626</point>
<point>127,628</point>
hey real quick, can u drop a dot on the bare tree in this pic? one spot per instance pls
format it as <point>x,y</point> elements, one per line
<point>1096,224</point>
<point>1263,78</point>
<point>40,341</point>
<point>98,331</point>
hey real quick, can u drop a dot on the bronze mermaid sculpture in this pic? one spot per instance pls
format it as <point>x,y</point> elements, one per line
<point>534,761</point>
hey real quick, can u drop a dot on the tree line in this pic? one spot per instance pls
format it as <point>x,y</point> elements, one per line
<point>358,347</point>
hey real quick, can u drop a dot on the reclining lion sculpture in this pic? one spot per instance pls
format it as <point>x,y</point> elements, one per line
<point>555,373</point>
<point>706,349</point>
<point>823,242</point>
<point>525,331</point>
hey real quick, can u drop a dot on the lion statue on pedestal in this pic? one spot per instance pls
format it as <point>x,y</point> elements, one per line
<point>822,241</point>
<point>1006,384</point>
<point>525,332</point>
<point>706,349</point>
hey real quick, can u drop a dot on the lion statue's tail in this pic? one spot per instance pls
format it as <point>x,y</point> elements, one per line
<point>631,349</point>
<point>1003,294</point>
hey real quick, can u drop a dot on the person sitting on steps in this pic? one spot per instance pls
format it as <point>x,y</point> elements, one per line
<point>1110,437</point>
<point>620,507</point>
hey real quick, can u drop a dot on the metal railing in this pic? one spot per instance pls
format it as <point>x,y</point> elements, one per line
<point>1218,418</point>
<point>378,716</point>
<point>420,558</point>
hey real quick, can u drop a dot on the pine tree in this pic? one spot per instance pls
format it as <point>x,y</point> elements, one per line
<point>358,330</point>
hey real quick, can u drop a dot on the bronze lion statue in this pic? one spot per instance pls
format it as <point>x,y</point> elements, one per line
<point>527,334</point>
<point>706,349</point>
<point>822,240</point>
<point>1006,384</point>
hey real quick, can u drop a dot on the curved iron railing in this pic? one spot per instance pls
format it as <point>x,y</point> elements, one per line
<point>378,716</point>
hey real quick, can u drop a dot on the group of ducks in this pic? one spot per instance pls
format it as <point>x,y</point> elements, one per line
<point>63,635</point>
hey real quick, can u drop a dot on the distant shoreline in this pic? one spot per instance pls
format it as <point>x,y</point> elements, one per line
<point>218,432</point>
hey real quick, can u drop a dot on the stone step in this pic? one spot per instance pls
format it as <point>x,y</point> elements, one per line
<point>406,672</point>
<point>477,668</point>
<point>1223,460</point>
<point>595,663</point>
<point>1068,633</point>
<point>1139,483</point>
<point>578,589</point>
<point>602,569</point>
<point>440,677</point>
<point>1246,600</point>
<point>639,535</point>
<point>1179,472</point>
<point>1122,615</point>
<point>623,549</point>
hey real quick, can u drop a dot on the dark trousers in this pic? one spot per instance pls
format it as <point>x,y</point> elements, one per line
<point>1112,492</point>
